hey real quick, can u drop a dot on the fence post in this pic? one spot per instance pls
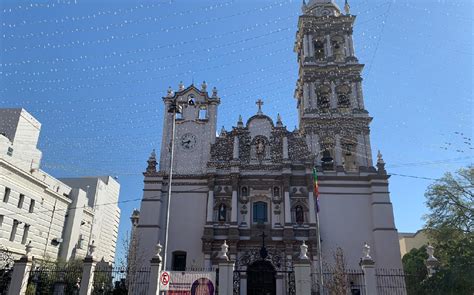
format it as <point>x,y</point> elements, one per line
<point>303,272</point>
<point>21,273</point>
<point>155,268</point>
<point>88,272</point>
<point>226,271</point>
<point>368,267</point>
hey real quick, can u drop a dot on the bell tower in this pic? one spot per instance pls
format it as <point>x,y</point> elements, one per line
<point>329,95</point>
<point>194,128</point>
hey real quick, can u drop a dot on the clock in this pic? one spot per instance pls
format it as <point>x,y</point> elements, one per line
<point>188,141</point>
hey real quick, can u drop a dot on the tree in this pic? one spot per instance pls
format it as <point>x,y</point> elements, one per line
<point>449,227</point>
<point>451,203</point>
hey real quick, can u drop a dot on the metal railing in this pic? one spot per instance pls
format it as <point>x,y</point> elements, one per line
<point>54,280</point>
<point>392,281</point>
<point>352,281</point>
<point>120,280</point>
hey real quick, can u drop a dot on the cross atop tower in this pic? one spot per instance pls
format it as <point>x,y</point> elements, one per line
<point>259,103</point>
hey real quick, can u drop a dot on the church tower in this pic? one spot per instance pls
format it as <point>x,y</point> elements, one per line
<point>329,96</point>
<point>195,128</point>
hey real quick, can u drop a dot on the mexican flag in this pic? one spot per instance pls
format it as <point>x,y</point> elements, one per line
<point>316,187</point>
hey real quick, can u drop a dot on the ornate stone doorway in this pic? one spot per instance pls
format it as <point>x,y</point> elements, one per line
<point>261,278</point>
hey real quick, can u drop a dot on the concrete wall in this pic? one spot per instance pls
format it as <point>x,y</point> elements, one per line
<point>410,241</point>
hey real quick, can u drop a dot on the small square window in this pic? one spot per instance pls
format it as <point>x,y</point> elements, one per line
<point>10,151</point>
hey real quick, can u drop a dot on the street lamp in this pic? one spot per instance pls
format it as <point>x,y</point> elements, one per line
<point>174,109</point>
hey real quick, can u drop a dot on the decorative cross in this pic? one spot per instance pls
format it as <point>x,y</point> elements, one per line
<point>259,103</point>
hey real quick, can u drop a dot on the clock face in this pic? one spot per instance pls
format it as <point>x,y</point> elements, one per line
<point>188,141</point>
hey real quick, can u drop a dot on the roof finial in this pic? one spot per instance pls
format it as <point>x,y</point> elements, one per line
<point>203,86</point>
<point>304,6</point>
<point>279,122</point>
<point>240,123</point>
<point>170,92</point>
<point>259,103</point>
<point>347,7</point>
<point>222,132</point>
<point>181,86</point>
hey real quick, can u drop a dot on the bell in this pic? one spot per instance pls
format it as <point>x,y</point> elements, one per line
<point>326,157</point>
<point>174,108</point>
<point>191,101</point>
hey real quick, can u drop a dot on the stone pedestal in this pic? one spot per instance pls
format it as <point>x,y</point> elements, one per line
<point>87,276</point>
<point>226,276</point>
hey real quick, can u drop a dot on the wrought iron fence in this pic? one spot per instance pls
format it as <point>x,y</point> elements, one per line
<point>352,280</point>
<point>120,280</point>
<point>54,280</point>
<point>392,281</point>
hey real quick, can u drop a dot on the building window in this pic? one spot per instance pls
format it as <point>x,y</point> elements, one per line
<point>323,95</point>
<point>179,116</point>
<point>245,192</point>
<point>319,50</point>
<point>26,229</point>
<point>32,206</point>
<point>1,220</point>
<point>260,212</point>
<point>6,194</point>
<point>299,214</point>
<point>202,113</point>
<point>10,151</point>
<point>13,232</point>
<point>179,261</point>
<point>21,199</point>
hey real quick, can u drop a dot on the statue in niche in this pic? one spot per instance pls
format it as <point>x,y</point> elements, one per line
<point>222,212</point>
<point>260,147</point>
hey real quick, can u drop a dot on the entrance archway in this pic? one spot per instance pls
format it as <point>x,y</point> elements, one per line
<point>261,278</point>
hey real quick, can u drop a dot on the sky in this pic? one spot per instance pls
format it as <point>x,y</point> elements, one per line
<point>94,72</point>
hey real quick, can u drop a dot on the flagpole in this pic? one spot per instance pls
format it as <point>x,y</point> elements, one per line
<point>320,256</point>
<point>320,252</point>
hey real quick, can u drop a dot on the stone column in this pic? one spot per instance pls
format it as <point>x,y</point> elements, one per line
<point>315,93</point>
<point>368,150</point>
<point>312,207</point>
<point>285,148</point>
<point>306,96</point>
<point>351,45</point>
<point>347,44</point>
<point>368,267</point>
<point>338,151</point>
<point>359,95</point>
<point>311,45</point>
<point>155,268</point>
<point>328,46</point>
<point>287,206</point>
<point>233,215</point>
<point>312,96</point>
<point>210,206</point>
<point>355,102</point>
<point>361,160</point>
<point>280,284</point>
<point>305,46</point>
<point>236,148</point>
<point>303,272</point>
<point>88,272</point>
<point>317,148</point>
<point>21,273</point>
<point>226,271</point>
<point>333,96</point>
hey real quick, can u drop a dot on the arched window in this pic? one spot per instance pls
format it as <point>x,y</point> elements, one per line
<point>178,261</point>
<point>245,192</point>
<point>319,53</point>
<point>299,214</point>
<point>343,96</point>
<point>222,213</point>
<point>260,212</point>
<point>324,98</point>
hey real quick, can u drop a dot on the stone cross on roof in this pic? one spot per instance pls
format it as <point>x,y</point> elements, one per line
<point>259,102</point>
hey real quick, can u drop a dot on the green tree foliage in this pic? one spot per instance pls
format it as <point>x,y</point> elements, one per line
<point>449,227</point>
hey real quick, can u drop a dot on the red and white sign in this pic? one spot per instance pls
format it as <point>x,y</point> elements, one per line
<point>188,283</point>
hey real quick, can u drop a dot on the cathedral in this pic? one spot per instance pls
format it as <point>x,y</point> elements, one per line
<point>254,185</point>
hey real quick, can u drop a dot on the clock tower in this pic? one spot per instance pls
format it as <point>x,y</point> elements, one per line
<point>195,129</point>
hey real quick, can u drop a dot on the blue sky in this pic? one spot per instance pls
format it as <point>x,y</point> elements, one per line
<point>93,73</point>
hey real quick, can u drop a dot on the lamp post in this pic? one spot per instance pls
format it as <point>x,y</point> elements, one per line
<point>173,109</point>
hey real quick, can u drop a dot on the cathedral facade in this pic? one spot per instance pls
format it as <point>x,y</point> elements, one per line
<point>254,184</point>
